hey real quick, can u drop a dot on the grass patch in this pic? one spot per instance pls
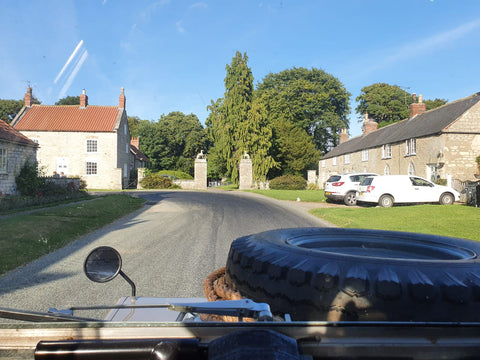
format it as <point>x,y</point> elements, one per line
<point>24,238</point>
<point>455,221</point>
<point>293,195</point>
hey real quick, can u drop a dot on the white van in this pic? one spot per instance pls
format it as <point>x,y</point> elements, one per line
<point>389,189</point>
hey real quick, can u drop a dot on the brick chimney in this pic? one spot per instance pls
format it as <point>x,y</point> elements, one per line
<point>369,125</point>
<point>417,108</point>
<point>135,141</point>
<point>122,100</point>
<point>28,97</point>
<point>343,135</point>
<point>83,100</point>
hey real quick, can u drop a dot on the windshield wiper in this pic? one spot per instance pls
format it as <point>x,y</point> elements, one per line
<point>33,316</point>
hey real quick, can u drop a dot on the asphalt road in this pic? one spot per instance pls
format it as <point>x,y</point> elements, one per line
<point>168,248</point>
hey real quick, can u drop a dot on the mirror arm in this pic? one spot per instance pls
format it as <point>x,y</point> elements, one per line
<point>132,284</point>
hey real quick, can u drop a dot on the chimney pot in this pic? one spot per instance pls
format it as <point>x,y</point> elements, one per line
<point>343,135</point>
<point>417,108</point>
<point>83,100</point>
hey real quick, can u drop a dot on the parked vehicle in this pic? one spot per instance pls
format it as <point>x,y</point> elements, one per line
<point>389,189</point>
<point>344,187</point>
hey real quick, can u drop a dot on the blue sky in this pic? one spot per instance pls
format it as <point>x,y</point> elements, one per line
<point>171,55</point>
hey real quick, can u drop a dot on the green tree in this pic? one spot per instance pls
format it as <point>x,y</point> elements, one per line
<point>238,123</point>
<point>384,103</point>
<point>432,104</point>
<point>133,125</point>
<point>173,142</point>
<point>311,99</point>
<point>9,109</point>
<point>69,100</point>
<point>296,151</point>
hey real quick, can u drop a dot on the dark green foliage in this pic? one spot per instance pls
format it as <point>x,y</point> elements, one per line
<point>288,182</point>
<point>311,99</point>
<point>28,180</point>
<point>156,181</point>
<point>69,100</point>
<point>173,142</point>
<point>177,174</point>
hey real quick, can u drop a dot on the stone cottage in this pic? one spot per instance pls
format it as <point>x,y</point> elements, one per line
<point>89,141</point>
<point>15,150</point>
<point>442,143</point>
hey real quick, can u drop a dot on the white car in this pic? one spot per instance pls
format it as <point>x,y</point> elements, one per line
<point>344,187</point>
<point>389,189</point>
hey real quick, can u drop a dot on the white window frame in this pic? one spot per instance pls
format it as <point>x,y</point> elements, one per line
<point>323,163</point>
<point>334,161</point>
<point>91,148</point>
<point>365,155</point>
<point>411,147</point>
<point>346,159</point>
<point>127,148</point>
<point>3,160</point>
<point>386,151</point>
<point>91,161</point>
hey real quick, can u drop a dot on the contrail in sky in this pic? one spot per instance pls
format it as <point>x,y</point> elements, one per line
<point>70,59</point>
<point>70,79</point>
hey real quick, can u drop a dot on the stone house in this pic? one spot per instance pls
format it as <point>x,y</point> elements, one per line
<point>89,141</point>
<point>442,143</point>
<point>15,150</point>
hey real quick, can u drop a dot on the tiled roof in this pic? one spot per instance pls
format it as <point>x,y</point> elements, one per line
<point>138,154</point>
<point>429,123</point>
<point>8,133</point>
<point>68,118</point>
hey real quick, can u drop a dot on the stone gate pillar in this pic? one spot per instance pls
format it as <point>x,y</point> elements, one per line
<point>140,176</point>
<point>312,177</point>
<point>200,172</point>
<point>246,172</point>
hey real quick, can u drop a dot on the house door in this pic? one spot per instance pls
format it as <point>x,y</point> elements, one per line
<point>62,165</point>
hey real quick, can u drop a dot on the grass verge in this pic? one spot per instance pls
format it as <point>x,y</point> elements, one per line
<point>455,221</point>
<point>293,195</point>
<point>24,238</point>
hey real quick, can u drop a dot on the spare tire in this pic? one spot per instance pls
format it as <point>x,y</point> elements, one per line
<point>355,274</point>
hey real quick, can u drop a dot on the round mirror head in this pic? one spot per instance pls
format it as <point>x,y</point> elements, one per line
<point>102,264</point>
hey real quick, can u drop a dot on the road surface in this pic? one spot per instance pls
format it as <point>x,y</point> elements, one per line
<point>168,248</point>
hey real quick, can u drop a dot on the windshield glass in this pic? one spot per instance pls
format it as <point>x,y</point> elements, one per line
<point>181,135</point>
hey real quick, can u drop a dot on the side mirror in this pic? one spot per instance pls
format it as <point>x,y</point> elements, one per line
<point>103,264</point>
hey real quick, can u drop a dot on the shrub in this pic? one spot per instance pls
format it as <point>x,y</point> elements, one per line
<point>156,181</point>
<point>28,181</point>
<point>312,186</point>
<point>178,174</point>
<point>288,182</point>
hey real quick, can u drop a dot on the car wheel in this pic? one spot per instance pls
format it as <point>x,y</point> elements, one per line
<point>336,274</point>
<point>385,201</point>
<point>447,199</point>
<point>350,199</point>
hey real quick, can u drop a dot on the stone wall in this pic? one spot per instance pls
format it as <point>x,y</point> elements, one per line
<point>17,155</point>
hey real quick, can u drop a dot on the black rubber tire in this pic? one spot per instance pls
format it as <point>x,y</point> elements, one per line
<point>350,198</point>
<point>355,274</point>
<point>447,199</point>
<point>386,201</point>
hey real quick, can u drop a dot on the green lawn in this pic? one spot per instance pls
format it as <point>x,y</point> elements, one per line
<point>455,220</point>
<point>293,195</point>
<point>24,238</point>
